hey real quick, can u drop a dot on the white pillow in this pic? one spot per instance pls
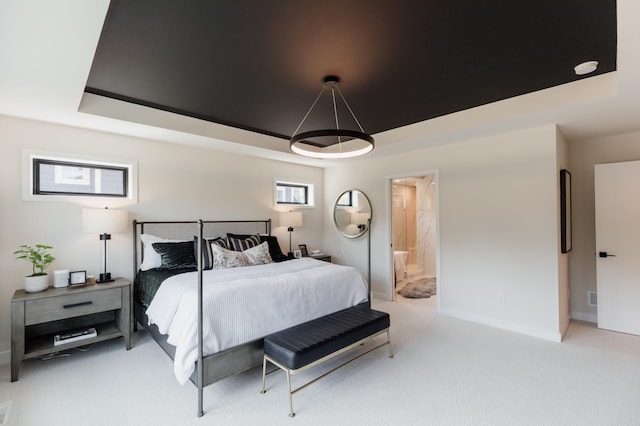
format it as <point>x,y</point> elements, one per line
<point>223,258</point>
<point>152,258</point>
<point>258,255</point>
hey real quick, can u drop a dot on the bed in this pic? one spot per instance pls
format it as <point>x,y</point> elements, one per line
<point>208,292</point>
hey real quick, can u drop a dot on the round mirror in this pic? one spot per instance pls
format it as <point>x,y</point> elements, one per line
<point>351,213</point>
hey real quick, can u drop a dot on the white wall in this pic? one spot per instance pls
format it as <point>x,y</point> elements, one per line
<point>564,293</point>
<point>583,156</point>
<point>498,207</point>
<point>175,182</point>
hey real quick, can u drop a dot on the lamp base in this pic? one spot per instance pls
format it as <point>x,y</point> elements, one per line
<point>104,278</point>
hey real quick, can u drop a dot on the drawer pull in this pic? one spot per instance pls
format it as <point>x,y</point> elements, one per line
<point>75,305</point>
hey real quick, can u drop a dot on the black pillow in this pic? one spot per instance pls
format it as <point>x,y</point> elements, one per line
<point>176,255</point>
<point>274,247</point>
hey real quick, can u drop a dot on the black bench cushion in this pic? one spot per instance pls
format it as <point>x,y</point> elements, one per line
<point>305,343</point>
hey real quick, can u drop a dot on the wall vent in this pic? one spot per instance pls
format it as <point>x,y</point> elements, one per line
<point>593,298</point>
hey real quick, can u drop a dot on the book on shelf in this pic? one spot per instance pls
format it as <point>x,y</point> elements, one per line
<point>73,336</point>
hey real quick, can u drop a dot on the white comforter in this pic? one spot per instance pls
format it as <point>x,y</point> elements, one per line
<point>245,304</point>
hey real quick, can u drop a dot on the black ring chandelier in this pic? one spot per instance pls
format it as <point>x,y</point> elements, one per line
<point>331,143</point>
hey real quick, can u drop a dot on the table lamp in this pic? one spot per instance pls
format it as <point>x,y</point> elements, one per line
<point>105,222</point>
<point>291,220</point>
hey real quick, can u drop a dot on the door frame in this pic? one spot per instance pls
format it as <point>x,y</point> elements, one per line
<point>389,199</point>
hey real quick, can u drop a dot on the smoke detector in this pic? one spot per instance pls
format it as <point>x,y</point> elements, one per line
<point>586,67</point>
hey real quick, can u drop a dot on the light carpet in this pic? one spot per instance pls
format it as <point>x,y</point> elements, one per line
<point>445,372</point>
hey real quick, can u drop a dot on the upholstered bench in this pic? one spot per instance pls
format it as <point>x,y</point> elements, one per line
<point>306,345</point>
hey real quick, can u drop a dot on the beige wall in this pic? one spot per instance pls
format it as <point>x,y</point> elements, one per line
<point>174,182</point>
<point>498,223</point>
<point>564,293</point>
<point>582,158</point>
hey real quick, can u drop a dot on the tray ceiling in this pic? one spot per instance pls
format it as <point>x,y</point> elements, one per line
<point>258,65</point>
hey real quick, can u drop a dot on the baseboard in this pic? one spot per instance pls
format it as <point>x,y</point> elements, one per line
<point>492,322</point>
<point>582,316</point>
<point>380,296</point>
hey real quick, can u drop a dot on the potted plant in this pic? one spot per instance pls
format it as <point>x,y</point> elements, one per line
<point>40,258</point>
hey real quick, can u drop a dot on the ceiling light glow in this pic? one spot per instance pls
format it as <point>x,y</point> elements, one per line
<point>331,143</point>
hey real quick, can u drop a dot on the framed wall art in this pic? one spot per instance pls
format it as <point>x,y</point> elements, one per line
<point>565,211</point>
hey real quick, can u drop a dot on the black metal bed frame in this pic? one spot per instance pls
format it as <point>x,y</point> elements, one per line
<point>215,367</point>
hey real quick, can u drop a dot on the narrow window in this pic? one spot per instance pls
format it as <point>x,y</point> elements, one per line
<point>54,176</point>
<point>300,194</point>
<point>57,177</point>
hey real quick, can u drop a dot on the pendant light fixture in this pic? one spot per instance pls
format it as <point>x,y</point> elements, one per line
<point>331,143</point>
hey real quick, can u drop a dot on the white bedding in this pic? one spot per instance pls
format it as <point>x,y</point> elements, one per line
<point>245,304</point>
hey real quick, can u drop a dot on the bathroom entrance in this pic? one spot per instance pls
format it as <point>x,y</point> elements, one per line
<point>413,212</point>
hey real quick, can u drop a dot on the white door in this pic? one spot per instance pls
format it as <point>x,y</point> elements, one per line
<point>617,195</point>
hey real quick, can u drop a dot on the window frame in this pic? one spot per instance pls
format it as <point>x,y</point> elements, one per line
<point>308,189</point>
<point>350,199</point>
<point>37,181</point>
<point>31,160</point>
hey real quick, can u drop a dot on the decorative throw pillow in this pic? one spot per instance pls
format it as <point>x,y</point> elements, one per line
<point>151,258</point>
<point>243,244</point>
<point>207,262</point>
<point>176,255</point>
<point>258,255</point>
<point>223,258</point>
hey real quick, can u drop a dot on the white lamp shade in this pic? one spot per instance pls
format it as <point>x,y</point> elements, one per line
<point>290,219</point>
<point>359,218</point>
<point>104,221</point>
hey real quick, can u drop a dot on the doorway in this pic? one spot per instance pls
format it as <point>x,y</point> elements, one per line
<point>414,238</point>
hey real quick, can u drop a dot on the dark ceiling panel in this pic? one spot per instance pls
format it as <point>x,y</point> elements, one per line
<point>258,65</point>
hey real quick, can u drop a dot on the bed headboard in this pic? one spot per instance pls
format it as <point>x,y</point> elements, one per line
<point>186,230</point>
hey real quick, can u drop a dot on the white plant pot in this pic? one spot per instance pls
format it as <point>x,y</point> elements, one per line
<point>35,284</point>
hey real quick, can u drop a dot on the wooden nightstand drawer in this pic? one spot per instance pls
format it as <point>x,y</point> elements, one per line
<point>71,305</point>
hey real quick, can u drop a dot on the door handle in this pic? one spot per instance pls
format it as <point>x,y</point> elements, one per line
<point>605,254</point>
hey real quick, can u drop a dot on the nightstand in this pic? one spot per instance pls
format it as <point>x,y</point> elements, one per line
<point>325,257</point>
<point>37,317</point>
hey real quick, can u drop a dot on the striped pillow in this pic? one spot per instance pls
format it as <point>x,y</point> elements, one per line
<point>221,241</point>
<point>237,244</point>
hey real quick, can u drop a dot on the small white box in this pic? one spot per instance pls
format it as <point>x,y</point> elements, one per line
<point>61,278</point>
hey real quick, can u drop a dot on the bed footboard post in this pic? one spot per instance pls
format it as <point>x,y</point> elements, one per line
<point>200,365</point>
<point>369,260</point>
<point>133,326</point>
